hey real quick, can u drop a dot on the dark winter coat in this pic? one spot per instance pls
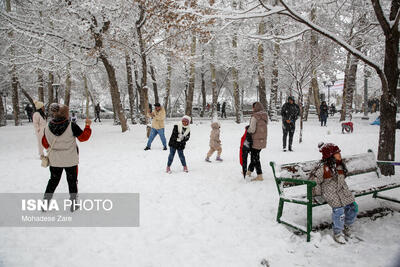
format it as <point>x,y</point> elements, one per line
<point>247,141</point>
<point>174,139</point>
<point>324,110</point>
<point>290,112</point>
<point>28,110</point>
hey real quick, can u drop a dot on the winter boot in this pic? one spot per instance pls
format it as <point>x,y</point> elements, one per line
<point>147,148</point>
<point>284,149</point>
<point>218,158</point>
<point>168,170</point>
<point>208,159</point>
<point>165,148</point>
<point>248,173</point>
<point>290,149</point>
<point>339,238</point>
<point>348,232</point>
<point>185,169</point>
<point>258,178</point>
<point>74,205</point>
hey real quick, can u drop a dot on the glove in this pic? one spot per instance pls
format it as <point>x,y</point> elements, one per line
<point>319,199</point>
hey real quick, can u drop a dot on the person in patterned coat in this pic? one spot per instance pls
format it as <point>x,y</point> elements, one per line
<point>331,187</point>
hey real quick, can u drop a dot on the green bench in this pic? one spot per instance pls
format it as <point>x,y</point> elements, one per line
<point>289,177</point>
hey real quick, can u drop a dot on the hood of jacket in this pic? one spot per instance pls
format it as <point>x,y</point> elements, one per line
<point>258,107</point>
<point>261,115</point>
<point>215,125</point>
<point>58,126</point>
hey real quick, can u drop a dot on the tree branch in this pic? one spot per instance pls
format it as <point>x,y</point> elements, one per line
<point>381,17</point>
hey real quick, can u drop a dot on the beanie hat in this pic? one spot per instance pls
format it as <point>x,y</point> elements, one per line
<point>157,105</point>
<point>328,150</point>
<point>38,104</point>
<point>59,111</point>
<point>186,117</point>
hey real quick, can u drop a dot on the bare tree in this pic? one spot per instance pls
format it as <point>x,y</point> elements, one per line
<point>388,75</point>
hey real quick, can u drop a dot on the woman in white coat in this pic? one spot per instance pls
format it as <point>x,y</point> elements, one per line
<point>39,123</point>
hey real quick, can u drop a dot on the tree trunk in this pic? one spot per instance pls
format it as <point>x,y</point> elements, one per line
<point>213,83</point>
<point>192,73</point>
<point>345,82</point>
<point>137,85</point>
<point>388,107</point>
<point>235,72</point>
<point>50,91</point>
<point>68,84</point>
<point>314,48</point>
<point>146,101</point>
<point>143,57</point>
<point>130,87</point>
<point>351,86</point>
<point>274,83</point>
<point>14,78</point>
<point>114,91</point>
<point>40,86</point>
<point>155,88</point>
<point>168,82</point>
<point>93,101</point>
<point>307,107</point>
<point>3,121</point>
<point>25,93</point>
<point>203,87</point>
<point>235,77</point>
<point>15,97</point>
<point>85,85</point>
<point>261,71</point>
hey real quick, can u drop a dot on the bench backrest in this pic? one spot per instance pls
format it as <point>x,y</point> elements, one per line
<point>356,164</point>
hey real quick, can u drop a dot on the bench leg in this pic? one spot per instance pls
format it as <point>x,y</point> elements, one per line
<point>280,210</point>
<point>309,222</point>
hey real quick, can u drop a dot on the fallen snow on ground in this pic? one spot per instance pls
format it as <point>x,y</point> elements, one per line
<point>207,217</point>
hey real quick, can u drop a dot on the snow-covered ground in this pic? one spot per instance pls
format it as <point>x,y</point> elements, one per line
<point>207,217</point>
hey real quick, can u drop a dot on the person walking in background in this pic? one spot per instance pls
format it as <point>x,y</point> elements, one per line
<point>157,126</point>
<point>73,117</point>
<point>97,111</point>
<point>258,131</point>
<point>215,142</point>
<point>332,109</point>
<point>324,113</point>
<point>177,142</point>
<point>223,111</point>
<point>60,135</point>
<point>39,123</point>
<point>29,111</point>
<point>290,111</point>
<point>331,187</point>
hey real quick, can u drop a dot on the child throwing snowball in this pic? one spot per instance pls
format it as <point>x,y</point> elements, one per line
<point>177,142</point>
<point>215,142</point>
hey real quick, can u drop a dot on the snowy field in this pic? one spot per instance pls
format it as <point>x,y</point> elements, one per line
<point>207,217</point>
